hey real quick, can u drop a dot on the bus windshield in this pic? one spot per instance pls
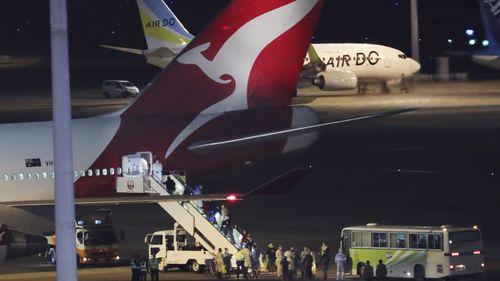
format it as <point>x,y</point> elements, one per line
<point>456,239</point>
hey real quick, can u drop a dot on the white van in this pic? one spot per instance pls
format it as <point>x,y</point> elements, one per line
<point>119,89</point>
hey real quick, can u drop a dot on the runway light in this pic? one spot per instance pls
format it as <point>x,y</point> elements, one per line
<point>450,41</point>
<point>231,197</point>
<point>472,42</point>
<point>486,43</point>
<point>482,265</point>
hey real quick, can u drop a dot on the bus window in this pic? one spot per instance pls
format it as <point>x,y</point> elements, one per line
<point>418,241</point>
<point>435,241</point>
<point>398,240</point>
<point>379,240</point>
<point>360,239</point>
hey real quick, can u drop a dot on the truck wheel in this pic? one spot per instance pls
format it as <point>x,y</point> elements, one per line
<point>195,266</point>
<point>419,273</point>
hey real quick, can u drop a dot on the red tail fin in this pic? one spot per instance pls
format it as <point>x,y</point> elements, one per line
<point>249,57</point>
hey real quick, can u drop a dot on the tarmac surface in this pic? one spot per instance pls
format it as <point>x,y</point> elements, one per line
<point>438,164</point>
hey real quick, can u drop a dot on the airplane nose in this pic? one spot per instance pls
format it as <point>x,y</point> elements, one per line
<point>414,65</point>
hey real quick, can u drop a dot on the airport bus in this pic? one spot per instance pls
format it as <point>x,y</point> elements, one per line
<point>416,252</point>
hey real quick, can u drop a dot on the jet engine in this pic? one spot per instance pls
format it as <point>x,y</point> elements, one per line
<point>336,80</point>
<point>14,244</point>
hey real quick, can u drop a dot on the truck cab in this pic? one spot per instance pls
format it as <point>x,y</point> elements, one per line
<point>176,248</point>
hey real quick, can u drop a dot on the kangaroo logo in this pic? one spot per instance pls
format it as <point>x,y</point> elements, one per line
<point>235,64</point>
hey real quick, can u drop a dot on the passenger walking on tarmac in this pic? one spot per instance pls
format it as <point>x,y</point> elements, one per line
<point>154,267</point>
<point>284,267</point>
<point>144,269</point>
<point>297,261</point>
<point>240,264</point>
<point>255,261</point>
<point>340,260</point>
<point>381,270</point>
<point>170,184</point>
<point>307,262</point>
<point>271,257</point>
<point>248,260</point>
<point>289,255</point>
<point>324,249</point>
<point>135,266</point>
<point>302,256</point>
<point>219,265</point>
<point>368,271</point>
<point>325,264</point>
<point>279,257</point>
<point>226,256</point>
<point>313,269</point>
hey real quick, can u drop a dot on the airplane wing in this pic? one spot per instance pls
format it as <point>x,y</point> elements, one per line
<point>217,144</point>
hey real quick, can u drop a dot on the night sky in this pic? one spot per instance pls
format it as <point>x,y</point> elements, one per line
<point>25,23</point>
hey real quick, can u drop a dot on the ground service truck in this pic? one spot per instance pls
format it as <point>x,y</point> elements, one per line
<point>176,248</point>
<point>96,240</point>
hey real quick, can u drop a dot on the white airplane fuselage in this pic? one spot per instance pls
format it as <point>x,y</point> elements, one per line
<point>370,62</point>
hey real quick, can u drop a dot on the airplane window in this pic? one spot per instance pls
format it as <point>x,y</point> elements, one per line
<point>82,173</point>
<point>13,177</point>
<point>52,174</point>
<point>75,173</point>
<point>37,176</point>
<point>89,173</point>
<point>21,176</point>
<point>97,172</point>
<point>104,172</point>
<point>44,175</point>
<point>29,176</point>
<point>111,171</point>
<point>118,171</point>
<point>6,177</point>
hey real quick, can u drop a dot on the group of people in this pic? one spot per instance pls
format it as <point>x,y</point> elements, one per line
<point>141,267</point>
<point>380,271</point>
<point>247,257</point>
<point>287,264</point>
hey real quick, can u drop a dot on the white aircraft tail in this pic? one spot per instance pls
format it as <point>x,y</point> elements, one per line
<point>161,27</point>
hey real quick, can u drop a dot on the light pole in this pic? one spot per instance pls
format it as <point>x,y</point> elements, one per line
<point>415,53</point>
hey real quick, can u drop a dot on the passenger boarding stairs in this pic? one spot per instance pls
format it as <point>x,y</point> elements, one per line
<point>185,213</point>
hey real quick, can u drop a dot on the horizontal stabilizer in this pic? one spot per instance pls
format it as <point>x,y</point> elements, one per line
<point>244,140</point>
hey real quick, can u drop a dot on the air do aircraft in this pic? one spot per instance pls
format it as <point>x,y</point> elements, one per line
<point>201,102</point>
<point>341,66</point>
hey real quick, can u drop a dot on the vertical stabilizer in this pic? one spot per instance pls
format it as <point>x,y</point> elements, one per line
<point>161,27</point>
<point>249,57</point>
